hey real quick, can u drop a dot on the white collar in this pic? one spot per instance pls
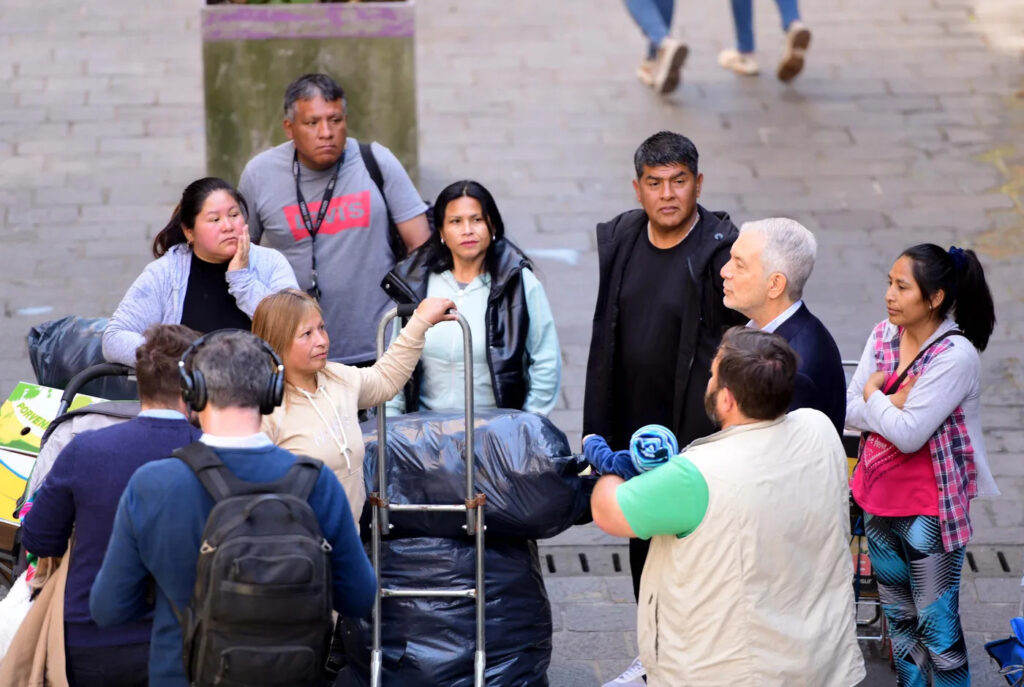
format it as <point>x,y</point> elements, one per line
<point>779,319</point>
<point>162,414</point>
<point>258,440</point>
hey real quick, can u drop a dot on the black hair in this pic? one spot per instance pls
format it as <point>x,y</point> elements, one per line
<point>958,273</point>
<point>665,148</point>
<point>439,257</point>
<point>191,204</point>
<point>759,369</point>
<point>309,86</point>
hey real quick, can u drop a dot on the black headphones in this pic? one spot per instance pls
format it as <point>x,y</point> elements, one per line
<point>193,384</point>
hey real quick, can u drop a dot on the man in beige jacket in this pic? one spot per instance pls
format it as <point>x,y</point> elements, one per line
<point>749,576</point>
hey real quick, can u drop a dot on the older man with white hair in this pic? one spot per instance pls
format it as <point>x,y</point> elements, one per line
<point>769,264</point>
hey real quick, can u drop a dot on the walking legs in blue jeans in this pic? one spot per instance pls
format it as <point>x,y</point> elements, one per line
<point>654,18</point>
<point>665,55</point>
<point>919,585</point>
<point>743,18</point>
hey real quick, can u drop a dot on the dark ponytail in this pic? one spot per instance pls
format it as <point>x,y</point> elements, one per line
<point>185,213</point>
<point>959,275</point>
<point>170,235</point>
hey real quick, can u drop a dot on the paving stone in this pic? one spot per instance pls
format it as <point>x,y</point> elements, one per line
<point>573,674</point>
<point>610,616</point>
<point>595,644</point>
<point>998,590</point>
<point>576,589</point>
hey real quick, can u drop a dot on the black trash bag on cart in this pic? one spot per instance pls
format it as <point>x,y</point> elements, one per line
<point>524,466</point>
<point>60,349</point>
<point>431,642</point>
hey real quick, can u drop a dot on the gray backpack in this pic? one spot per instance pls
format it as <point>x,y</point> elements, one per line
<point>260,612</point>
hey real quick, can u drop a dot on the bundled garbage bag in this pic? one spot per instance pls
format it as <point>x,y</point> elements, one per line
<point>60,349</point>
<point>523,465</point>
<point>431,642</point>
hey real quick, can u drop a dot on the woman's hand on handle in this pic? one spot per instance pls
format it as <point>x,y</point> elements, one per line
<point>435,310</point>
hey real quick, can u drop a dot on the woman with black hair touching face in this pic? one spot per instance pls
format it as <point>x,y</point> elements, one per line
<point>516,356</point>
<point>206,275</point>
<point>916,397</point>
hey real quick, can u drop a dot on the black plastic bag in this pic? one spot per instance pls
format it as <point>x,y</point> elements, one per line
<point>60,349</point>
<point>431,642</point>
<point>523,465</point>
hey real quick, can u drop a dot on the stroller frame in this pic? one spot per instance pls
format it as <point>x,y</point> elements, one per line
<point>473,508</point>
<point>12,560</point>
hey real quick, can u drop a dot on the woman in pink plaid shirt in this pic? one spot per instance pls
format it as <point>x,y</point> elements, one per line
<point>915,395</point>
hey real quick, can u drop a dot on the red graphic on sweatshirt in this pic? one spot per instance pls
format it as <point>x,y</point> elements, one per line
<point>344,212</point>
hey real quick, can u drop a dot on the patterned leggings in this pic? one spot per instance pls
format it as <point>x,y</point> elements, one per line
<point>919,585</point>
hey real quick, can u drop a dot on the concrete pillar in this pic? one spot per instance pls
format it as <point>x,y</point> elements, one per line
<point>251,53</point>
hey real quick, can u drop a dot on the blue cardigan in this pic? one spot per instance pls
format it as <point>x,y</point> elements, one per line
<point>82,490</point>
<point>157,535</point>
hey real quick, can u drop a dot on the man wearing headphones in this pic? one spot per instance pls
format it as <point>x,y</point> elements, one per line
<point>81,492</point>
<point>229,378</point>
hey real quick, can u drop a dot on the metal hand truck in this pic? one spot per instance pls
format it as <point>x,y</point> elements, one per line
<point>473,507</point>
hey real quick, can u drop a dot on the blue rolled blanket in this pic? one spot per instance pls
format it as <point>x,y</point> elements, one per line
<point>651,446</point>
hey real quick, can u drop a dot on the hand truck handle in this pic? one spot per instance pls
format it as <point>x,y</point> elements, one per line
<point>467,357</point>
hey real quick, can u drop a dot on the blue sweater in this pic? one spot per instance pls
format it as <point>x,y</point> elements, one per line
<point>82,490</point>
<point>157,533</point>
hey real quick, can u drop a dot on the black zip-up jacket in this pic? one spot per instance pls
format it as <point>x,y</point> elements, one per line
<point>507,320</point>
<point>697,345</point>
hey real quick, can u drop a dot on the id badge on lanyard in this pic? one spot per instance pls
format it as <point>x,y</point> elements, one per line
<point>314,289</point>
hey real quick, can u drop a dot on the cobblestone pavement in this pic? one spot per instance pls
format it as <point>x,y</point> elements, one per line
<point>903,128</point>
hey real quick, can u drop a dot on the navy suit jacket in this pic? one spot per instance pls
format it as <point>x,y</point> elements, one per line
<point>820,381</point>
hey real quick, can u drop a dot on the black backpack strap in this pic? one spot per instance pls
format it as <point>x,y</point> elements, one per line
<point>366,150</point>
<point>301,477</point>
<point>394,238</point>
<point>216,478</point>
<point>125,410</point>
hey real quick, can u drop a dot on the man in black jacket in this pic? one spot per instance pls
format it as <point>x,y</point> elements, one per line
<point>764,279</point>
<point>659,317</point>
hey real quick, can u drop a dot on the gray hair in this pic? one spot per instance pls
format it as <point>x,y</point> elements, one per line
<point>236,368</point>
<point>789,248</point>
<point>309,86</point>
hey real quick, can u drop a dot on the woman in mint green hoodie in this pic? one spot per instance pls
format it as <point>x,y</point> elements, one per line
<point>516,357</point>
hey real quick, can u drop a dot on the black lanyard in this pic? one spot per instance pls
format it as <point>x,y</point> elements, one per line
<point>314,289</point>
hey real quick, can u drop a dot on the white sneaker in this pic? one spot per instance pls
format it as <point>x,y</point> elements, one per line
<point>741,63</point>
<point>668,65</point>
<point>633,676</point>
<point>645,72</point>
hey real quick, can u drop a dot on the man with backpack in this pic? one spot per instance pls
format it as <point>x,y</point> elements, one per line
<point>249,546</point>
<point>341,211</point>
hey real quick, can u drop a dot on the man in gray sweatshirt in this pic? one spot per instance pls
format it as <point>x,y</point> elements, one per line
<point>313,199</point>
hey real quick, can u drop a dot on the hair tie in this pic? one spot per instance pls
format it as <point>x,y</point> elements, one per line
<point>959,258</point>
